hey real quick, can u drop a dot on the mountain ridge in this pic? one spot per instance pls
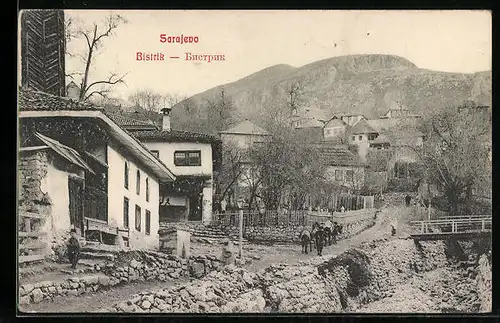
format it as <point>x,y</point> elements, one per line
<point>368,84</point>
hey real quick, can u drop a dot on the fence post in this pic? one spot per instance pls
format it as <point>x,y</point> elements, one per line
<point>422,229</point>
<point>482,224</point>
<point>241,231</point>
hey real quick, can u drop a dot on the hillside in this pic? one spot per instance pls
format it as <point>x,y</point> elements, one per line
<point>368,84</point>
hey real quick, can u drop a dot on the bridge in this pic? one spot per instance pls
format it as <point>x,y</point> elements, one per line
<point>455,227</point>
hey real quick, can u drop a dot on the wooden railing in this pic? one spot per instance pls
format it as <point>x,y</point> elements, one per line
<point>34,249</point>
<point>95,227</point>
<point>460,224</point>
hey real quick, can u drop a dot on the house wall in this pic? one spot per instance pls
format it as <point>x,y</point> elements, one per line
<point>167,149</point>
<point>117,192</point>
<point>43,183</point>
<point>243,141</point>
<point>358,177</point>
<point>333,132</point>
<point>350,120</point>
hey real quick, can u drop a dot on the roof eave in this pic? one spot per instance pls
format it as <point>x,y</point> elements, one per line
<point>137,149</point>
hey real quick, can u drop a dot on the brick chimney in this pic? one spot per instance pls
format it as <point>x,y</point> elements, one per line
<point>165,126</point>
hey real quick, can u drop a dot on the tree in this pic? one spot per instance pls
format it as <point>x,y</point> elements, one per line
<point>219,111</point>
<point>94,37</point>
<point>231,170</point>
<point>455,155</point>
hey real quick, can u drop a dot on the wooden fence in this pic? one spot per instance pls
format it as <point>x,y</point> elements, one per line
<point>31,246</point>
<point>422,213</point>
<point>271,218</point>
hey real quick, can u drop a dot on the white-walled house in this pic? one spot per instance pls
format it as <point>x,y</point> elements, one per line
<point>114,194</point>
<point>244,135</point>
<point>191,158</point>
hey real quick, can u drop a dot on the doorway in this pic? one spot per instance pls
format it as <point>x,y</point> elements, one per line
<point>75,187</point>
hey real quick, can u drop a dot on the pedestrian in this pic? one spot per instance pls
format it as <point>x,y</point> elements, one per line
<point>73,249</point>
<point>393,230</point>
<point>342,209</point>
<point>407,200</point>
<point>227,256</point>
<point>320,239</point>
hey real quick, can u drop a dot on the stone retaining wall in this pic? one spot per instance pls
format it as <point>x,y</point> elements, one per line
<point>291,234</point>
<point>130,266</point>
<point>484,287</point>
<point>320,288</point>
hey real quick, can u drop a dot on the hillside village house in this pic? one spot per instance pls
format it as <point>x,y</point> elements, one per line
<point>192,157</point>
<point>243,135</point>
<point>351,119</point>
<point>343,167</point>
<point>335,130</point>
<point>92,174</point>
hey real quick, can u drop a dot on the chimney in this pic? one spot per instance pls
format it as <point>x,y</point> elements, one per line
<point>73,91</point>
<point>165,126</point>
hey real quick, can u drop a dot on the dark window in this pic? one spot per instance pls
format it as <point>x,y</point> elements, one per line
<point>372,136</point>
<point>338,175</point>
<point>138,218</point>
<point>138,183</point>
<point>126,175</point>
<point>360,137</point>
<point>148,222</point>
<point>187,158</point>
<point>156,153</point>
<point>349,174</point>
<point>147,189</point>
<point>125,212</point>
<point>353,138</point>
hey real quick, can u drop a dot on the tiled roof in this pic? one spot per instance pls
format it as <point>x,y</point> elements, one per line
<point>362,127</point>
<point>174,136</point>
<point>382,125</point>
<point>128,122</point>
<point>338,156</point>
<point>312,123</point>
<point>65,152</point>
<point>29,100</point>
<point>246,127</point>
<point>335,123</point>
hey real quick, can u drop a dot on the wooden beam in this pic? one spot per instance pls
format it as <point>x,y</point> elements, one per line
<point>25,214</point>
<point>23,259</point>
<point>31,234</point>
<point>33,148</point>
<point>33,246</point>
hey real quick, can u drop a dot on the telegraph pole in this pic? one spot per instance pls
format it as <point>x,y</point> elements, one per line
<point>240,207</point>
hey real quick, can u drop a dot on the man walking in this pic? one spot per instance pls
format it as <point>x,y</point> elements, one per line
<point>407,200</point>
<point>73,249</point>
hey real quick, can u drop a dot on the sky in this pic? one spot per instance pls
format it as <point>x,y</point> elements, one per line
<point>450,41</point>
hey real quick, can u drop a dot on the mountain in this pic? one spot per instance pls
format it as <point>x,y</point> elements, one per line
<point>367,84</point>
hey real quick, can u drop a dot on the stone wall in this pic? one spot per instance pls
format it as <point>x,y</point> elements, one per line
<point>32,170</point>
<point>130,266</point>
<point>484,287</point>
<point>291,234</point>
<point>340,284</point>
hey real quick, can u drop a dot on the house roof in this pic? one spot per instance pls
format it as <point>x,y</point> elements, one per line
<point>174,136</point>
<point>312,123</point>
<point>246,128</point>
<point>65,152</point>
<point>338,156</point>
<point>40,104</point>
<point>29,100</point>
<point>362,127</point>
<point>335,122</point>
<point>131,123</point>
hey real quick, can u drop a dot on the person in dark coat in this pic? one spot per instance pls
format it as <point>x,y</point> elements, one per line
<point>73,249</point>
<point>320,239</point>
<point>407,200</point>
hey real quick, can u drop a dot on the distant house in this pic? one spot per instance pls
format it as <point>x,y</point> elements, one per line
<point>351,119</point>
<point>343,167</point>
<point>303,116</point>
<point>244,134</point>
<point>335,130</point>
<point>96,177</point>
<point>192,157</point>
<point>311,129</point>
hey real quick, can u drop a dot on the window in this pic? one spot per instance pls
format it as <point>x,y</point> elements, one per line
<point>138,183</point>
<point>125,212</point>
<point>156,153</point>
<point>360,137</point>
<point>353,138</point>
<point>187,158</point>
<point>126,175</point>
<point>372,136</point>
<point>338,175</point>
<point>349,176</point>
<point>148,222</point>
<point>138,218</point>
<point>147,189</point>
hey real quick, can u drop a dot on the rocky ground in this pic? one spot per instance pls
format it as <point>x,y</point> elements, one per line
<point>279,278</point>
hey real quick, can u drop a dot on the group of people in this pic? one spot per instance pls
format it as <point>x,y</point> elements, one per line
<point>319,235</point>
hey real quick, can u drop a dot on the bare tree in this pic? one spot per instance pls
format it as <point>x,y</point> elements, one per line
<point>231,169</point>
<point>147,100</point>
<point>220,111</point>
<point>455,155</point>
<point>94,39</point>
